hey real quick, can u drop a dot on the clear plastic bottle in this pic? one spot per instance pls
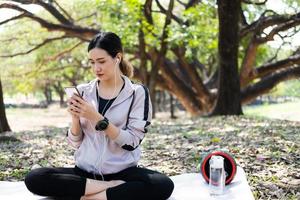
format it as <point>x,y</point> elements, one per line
<point>217,175</point>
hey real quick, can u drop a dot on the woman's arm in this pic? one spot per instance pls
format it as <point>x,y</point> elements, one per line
<point>75,127</point>
<point>131,136</point>
<point>74,134</point>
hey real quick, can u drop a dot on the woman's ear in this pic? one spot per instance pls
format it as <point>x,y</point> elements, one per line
<point>118,60</point>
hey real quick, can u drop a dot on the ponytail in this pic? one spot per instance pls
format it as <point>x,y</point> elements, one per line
<point>126,68</point>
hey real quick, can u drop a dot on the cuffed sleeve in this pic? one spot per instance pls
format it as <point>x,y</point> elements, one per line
<point>130,137</point>
<point>74,140</point>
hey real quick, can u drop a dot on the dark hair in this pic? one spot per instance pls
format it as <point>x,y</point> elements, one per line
<point>112,44</point>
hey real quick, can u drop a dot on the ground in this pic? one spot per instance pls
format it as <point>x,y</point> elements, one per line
<point>267,149</point>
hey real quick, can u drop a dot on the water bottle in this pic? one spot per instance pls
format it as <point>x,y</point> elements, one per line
<point>217,175</point>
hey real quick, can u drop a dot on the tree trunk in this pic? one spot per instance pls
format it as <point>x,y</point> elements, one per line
<point>229,97</point>
<point>172,110</point>
<point>60,91</point>
<point>48,95</point>
<point>152,90</point>
<point>61,99</point>
<point>3,120</point>
<point>143,57</point>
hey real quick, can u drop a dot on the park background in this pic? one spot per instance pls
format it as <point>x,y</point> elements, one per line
<point>221,75</point>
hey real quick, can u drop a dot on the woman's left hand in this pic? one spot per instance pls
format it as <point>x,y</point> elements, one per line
<point>84,109</point>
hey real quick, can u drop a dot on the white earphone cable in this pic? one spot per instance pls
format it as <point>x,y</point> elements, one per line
<point>95,136</point>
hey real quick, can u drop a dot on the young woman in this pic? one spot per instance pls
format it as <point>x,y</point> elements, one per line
<point>109,121</point>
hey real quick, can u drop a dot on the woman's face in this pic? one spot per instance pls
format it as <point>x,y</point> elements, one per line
<point>103,65</point>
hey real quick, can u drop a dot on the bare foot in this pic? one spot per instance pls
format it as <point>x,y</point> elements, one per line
<point>97,196</point>
<point>115,183</point>
<point>102,195</point>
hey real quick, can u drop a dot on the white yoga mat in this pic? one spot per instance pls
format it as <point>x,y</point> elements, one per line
<point>193,187</point>
<point>187,187</point>
<point>17,191</point>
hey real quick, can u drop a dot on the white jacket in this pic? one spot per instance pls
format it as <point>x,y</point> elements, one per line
<point>97,153</point>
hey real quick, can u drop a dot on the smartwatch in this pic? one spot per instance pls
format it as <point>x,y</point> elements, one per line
<point>102,124</point>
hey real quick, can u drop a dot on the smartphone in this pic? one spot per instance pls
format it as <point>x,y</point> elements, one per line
<point>71,90</point>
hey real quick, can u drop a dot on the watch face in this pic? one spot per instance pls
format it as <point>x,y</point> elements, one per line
<point>102,125</point>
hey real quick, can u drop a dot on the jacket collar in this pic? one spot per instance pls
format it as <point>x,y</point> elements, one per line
<point>125,93</point>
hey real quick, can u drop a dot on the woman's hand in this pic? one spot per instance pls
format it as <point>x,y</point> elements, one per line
<point>78,107</point>
<point>74,114</point>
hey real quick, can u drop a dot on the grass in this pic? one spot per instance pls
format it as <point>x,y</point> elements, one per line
<point>288,111</point>
<point>21,119</point>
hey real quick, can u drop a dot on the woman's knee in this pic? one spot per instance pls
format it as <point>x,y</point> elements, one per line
<point>168,187</point>
<point>163,188</point>
<point>34,180</point>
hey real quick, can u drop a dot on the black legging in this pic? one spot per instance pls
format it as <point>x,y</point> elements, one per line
<point>141,183</point>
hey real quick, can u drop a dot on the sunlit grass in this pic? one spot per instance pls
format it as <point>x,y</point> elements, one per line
<point>21,119</point>
<point>288,111</point>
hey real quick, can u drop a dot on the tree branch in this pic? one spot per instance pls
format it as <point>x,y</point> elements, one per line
<point>34,48</point>
<point>180,2</point>
<point>147,11</point>
<point>57,56</point>
<point>263,22</point>
<point>255,3</point>
<point>247,72</point>
<point>163,49</point>
<point>65,12</point>
<point>247,68</point>
<point>163,10</point>
<point>49,7</point>
<point>70,30</point>
<point>274,57</point>
<point>88,16</point>
<point>10,39</point>
<point>269,68</point>
<point>13,18</point>
<point>243,19</point>
<point>283,27</point>
<point>170,77</point>
<point>192,3</point>
<point>269,82</point>
<point>201,90</point>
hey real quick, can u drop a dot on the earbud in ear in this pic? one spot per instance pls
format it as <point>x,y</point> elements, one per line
<point>118,61</point>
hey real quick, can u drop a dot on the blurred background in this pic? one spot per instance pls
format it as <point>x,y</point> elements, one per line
<point>197,57</point>
<point>222,74</point>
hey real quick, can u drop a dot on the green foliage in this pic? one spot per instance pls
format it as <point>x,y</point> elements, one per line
<point>201,32</point>
<point>121,17</point>
<point>125,18</point>
<point>30,73</point>
<point>289,88</point>
<point>263,52</point>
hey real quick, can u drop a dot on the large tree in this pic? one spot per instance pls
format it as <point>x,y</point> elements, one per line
<point>3,121</point>
<point>229,98</point>
<point>175,49</point>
